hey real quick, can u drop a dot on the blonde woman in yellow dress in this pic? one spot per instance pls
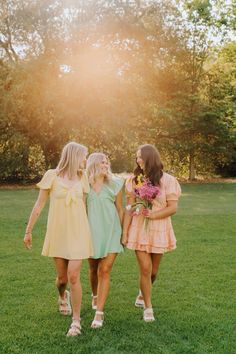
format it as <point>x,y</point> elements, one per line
<point>67,239</point>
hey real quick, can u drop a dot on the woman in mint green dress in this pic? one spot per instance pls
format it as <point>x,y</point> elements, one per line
<point>105,214</point>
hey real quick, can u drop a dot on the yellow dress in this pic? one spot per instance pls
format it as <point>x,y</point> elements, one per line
<point>68,232</point>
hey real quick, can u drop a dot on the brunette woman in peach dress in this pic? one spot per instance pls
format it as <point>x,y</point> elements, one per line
<point>152,237</point>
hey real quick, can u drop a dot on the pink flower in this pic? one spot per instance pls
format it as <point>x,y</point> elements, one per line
<point>147,191</point>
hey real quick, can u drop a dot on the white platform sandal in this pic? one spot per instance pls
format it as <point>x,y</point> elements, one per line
<point>148,315</point>
<point>98,323</point>
<point>75,329</point>
<point>64,305</point>
<point>139,302</point>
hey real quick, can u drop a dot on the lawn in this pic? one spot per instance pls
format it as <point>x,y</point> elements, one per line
<point>193,298</point>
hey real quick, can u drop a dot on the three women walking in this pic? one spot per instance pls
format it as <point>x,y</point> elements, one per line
<point>73,235</point>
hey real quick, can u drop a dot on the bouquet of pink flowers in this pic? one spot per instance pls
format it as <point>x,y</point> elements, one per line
<point>145,193</point>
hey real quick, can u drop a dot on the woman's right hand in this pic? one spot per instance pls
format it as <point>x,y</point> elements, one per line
<point>28,240</point>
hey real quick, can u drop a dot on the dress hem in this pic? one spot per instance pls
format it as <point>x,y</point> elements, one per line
<point>67,258</point>
<point>150,249</point>
<point>112,252</point>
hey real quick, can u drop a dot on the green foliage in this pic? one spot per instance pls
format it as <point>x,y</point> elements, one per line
<point>115,75</point>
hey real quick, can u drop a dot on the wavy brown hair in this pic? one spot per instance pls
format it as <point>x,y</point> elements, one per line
<point>153,167</point>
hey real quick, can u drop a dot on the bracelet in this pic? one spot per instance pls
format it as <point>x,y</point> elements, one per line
<point>29,232</point>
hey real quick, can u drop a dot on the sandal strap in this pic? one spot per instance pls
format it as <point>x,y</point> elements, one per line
<point>97,322</point>
<point>75,325</point>
<point>74,329</point>
<point>148,315</point>
<point>67,298</point>
<point>62,302</point>
<point>149,310</point>
<point>99,313</point>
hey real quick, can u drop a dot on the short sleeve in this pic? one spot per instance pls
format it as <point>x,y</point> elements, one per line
<point>129,186</point>
<point>117,184</point>
<point>47,180</point>
<point>173,189</point>
<point>85,183</point>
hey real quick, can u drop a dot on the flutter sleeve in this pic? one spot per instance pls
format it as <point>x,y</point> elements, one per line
<point>129,186</point>
<point>117,184</point>
<point>173,189</point>
<point>85,183</point>
<point>47,180</point>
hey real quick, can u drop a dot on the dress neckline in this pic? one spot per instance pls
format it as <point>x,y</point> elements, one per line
<point>99,192</point>
<point>65,184</point>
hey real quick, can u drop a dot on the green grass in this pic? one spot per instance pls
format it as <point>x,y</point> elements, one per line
<point>193,298</point>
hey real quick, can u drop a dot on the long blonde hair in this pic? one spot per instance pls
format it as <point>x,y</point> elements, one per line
<point>93,167</point>
<point>72,156</point>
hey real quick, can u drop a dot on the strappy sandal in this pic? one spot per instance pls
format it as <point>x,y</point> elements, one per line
<point>64,305</point>
<point>94,306</point>
<point>148,315</point>
<point>98,323</point>
<point>139,302</point>
<point>75,329</point>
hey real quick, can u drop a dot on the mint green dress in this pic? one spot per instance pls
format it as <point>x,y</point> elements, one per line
<point>104,219</point>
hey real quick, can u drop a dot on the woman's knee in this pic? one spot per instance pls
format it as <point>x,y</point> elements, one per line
<point>146,271</point>
<point>104,271</point>
<point>62,279</point>
<point>73,277</point>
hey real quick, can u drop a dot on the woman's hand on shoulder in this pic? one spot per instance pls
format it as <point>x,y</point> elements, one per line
<point>28,240</point>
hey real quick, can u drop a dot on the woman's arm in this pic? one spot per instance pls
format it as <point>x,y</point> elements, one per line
<point>37,208</point>
<point>119,206</point>
<point>169,210</point>
<point>127,219</point>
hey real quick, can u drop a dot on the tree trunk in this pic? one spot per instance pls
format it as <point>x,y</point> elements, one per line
<point>192,172</point>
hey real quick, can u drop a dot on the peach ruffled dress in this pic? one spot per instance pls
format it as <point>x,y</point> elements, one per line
<point>68,233</point>
<point>158,235</point>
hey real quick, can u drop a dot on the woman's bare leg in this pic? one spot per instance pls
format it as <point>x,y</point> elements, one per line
<point>104,270</point>
<point>156,259</point>
<point>61,280</point>
<point>93,274</point>
<point>145,267</point>
<point>73,274</point>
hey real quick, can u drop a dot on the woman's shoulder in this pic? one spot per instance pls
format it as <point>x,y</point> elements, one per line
<point>51,172</point>
<point>116,182</point>
<point>167,177</point>
<point>47,179</point>
<point>171,185</point>
<point>117,179</point>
